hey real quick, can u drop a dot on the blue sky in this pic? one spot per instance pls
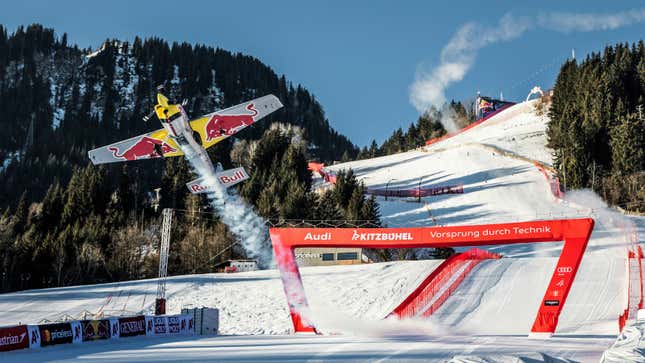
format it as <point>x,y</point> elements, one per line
<point>358,58</point>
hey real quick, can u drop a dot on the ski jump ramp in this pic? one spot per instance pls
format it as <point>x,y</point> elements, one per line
<point>574,233</point>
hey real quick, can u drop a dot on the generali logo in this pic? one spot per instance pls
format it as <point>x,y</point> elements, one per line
<point>318,236</point>
<point>12,339</point>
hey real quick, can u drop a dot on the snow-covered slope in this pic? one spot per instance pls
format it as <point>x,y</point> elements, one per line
<point>494,162</point>
<point>503,297</point>
<point>249,303</point>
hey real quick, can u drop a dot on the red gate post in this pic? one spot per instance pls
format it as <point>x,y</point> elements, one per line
<point>292,285</point>
<point>575,243</point>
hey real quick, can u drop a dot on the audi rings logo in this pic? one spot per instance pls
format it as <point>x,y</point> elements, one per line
<point>564,269</point>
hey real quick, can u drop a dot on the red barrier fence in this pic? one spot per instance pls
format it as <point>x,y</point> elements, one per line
<point>574,233</point>
<point>552,179</point>
<point>634,286</point>
<point>446,136</point>
<point>440,283</point>
<point>391,192</point>
<point>417,192</point>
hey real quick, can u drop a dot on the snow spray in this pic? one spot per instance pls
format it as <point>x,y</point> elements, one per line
<point>331,321</point>
<point>603,214</point>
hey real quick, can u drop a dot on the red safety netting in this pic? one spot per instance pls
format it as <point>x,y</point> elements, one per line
<point>417,192</point>
<point>440,284</point>
<point>634,286</point>
<point>552,179</point>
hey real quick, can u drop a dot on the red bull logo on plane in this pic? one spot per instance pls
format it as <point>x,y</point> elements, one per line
<point>236,177</point>
<point>227,125</point>
<point>226,178</point>
<point>197,188</point>
<point>145,147</point>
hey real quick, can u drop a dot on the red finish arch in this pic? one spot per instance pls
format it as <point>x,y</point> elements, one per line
<point>574,233</point>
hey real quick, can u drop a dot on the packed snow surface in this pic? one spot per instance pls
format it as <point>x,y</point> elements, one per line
<point>404,347</point>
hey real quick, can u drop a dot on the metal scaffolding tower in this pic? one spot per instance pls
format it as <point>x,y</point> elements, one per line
<point>160,304</point>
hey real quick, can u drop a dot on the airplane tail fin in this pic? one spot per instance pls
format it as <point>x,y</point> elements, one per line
<point>226,178</point>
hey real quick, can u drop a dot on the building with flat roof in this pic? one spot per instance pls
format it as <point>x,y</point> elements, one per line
<point>329,256</point>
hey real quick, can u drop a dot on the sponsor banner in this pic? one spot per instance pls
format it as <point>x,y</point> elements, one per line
<point>96,329</point>
<point>114,328</point>
<point>175,324</point>
<point>14,337</point>
<point>77,329</point>
<point>424,236</point>
<point>159,325</point>
<point>132,326</point>
<point>34,336</point>
<point>59,333</point>
<point>180,325</point>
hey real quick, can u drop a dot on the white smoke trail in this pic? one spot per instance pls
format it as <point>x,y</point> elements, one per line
<point>248,228</point>
<point>458,56</point>
<point>241,220</point>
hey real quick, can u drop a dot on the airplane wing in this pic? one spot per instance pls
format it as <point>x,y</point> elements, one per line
<point>219,125</point>
<point>147,146</point>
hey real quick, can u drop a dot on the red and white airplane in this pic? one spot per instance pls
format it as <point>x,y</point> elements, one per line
<point>191,138</point>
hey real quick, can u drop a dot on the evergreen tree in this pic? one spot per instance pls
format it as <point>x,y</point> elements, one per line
<point>325,208</point>
<point>596,123</point>
<point>628,145</point>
